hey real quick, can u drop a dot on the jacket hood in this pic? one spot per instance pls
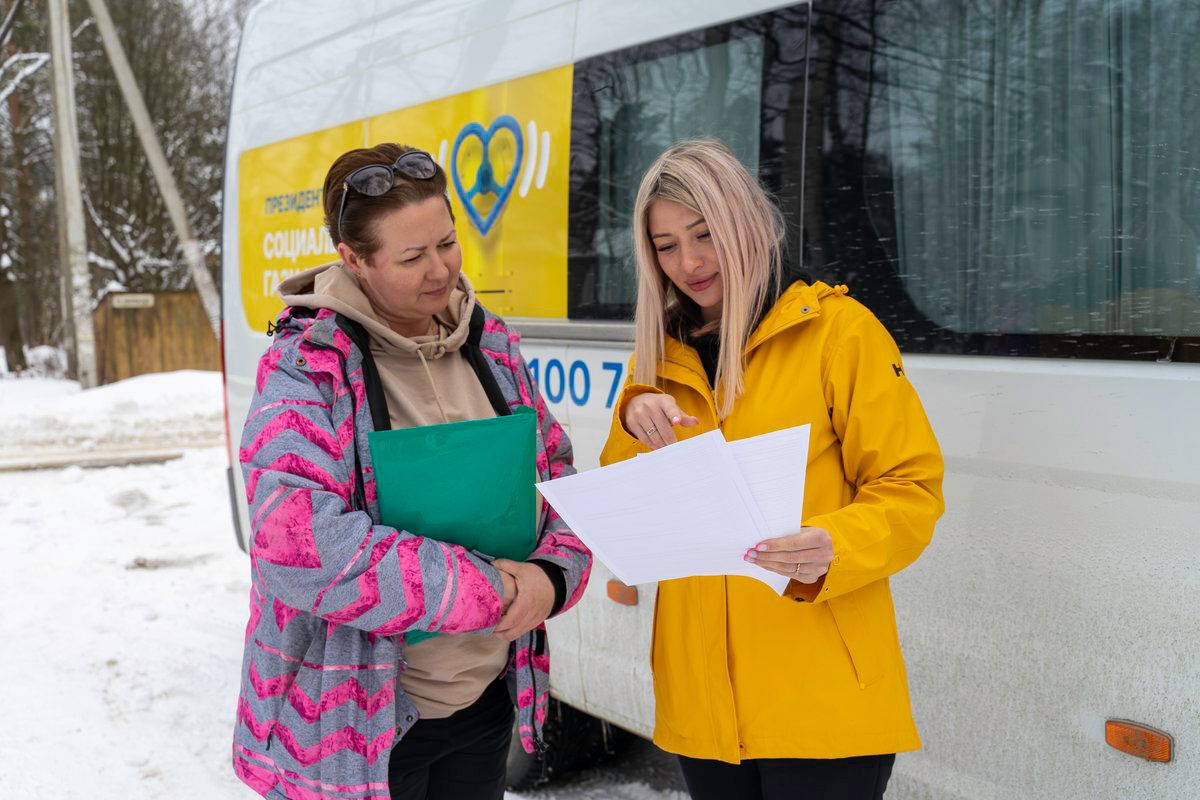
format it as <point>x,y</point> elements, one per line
<point>332,286</point>
<point>800,302</point>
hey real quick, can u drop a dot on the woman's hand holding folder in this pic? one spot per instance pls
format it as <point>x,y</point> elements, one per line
<point>532,602</point>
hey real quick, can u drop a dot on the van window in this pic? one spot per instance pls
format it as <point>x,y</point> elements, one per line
<point>631,105</point>
<point>1020,182</point>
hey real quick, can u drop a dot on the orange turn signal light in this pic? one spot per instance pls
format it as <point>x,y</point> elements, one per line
<point>620,593</point>
<point>1138,740</point>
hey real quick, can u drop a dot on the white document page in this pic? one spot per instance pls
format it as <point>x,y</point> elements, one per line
<point>774,466</point>
<point>692,508</point>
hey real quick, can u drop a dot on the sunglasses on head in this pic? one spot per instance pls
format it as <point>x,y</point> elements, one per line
<point>377,179</point>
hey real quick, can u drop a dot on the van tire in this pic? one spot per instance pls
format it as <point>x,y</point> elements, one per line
<point>573,740</point>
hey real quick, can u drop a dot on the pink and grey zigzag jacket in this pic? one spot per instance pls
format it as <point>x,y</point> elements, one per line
<point>333,590</point>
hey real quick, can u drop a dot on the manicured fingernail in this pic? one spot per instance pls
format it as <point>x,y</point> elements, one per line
<point>761,548</point>
<point>748,557</point>
<point>675,420</point>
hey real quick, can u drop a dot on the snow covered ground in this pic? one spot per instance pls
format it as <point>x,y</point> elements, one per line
<point>124,602</point>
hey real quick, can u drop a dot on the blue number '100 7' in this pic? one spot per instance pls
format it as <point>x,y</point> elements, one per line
<point>574,382</point>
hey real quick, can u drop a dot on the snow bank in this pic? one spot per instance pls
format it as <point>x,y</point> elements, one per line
<point>156,410</point>
<point>45,361</point>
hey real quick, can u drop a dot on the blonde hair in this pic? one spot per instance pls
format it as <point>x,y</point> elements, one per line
<point>747,230</point>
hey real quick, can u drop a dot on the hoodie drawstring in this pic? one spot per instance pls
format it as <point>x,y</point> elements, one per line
<point>433,384</point>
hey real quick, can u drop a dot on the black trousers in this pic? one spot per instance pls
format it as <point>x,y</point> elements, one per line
<point>461,757</point>
<point>859,778</point>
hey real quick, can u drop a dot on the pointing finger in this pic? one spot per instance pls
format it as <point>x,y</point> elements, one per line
<point>679,418</point>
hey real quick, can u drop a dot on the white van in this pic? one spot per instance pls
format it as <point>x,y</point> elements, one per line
<point>1013,188</point>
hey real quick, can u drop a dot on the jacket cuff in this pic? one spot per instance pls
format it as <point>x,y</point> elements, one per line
<point>557,579</point>
<point>804,592</point>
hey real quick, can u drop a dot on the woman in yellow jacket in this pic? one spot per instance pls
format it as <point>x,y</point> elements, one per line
<point>762,696</point>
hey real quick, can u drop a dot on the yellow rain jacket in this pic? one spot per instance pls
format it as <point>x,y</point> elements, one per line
<point>740,672</point>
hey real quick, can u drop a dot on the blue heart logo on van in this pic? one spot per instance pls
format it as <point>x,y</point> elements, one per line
<point>485,177</point>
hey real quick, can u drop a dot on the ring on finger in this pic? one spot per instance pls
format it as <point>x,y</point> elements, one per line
<point>651,430</point>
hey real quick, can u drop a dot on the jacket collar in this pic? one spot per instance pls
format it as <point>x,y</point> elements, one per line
<point>318,327</point>
<point>798,304</point>
<point>321,327</point>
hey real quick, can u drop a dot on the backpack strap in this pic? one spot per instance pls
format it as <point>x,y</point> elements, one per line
<point>380,416</point>
<point>479,363</point>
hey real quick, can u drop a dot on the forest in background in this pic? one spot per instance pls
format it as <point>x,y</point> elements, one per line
<point>182,54</point>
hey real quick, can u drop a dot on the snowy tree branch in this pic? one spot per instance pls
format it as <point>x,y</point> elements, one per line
<point>38,60</point>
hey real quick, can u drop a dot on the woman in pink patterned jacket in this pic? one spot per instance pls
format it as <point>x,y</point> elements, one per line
<point>333,703</point>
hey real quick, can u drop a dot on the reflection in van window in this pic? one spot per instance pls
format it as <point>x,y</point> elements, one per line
<point>631,110</point>
<point>1045,172</point>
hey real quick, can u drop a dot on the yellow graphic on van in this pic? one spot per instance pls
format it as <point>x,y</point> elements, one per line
<point>505,149</point>
<point>281,223</point>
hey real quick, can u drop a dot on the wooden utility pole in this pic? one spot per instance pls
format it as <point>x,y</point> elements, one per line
<point>158,164</point>
<point>77,284</point>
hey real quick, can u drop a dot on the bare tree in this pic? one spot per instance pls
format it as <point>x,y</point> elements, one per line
<point>182,56</point>
<point>29,298</point>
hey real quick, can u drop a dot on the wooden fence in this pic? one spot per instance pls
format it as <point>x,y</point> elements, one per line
<point>158,332</point>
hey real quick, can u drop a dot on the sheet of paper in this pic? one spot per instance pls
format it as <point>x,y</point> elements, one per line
<point>774,466</point>
<point>689,509</point>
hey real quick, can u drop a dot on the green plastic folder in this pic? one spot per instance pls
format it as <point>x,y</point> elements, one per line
<point>466,483</point>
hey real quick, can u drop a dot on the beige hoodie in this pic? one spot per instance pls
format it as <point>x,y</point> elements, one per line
<point>426,381</point>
